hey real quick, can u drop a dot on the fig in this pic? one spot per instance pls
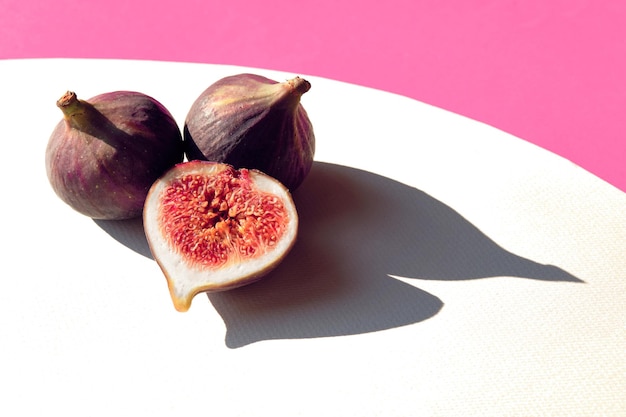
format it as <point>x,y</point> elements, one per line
<point>106,152</point>
<point>250,121</point>
<point>211,227</point>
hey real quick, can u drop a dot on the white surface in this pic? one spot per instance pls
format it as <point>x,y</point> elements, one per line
<point>444,268</point>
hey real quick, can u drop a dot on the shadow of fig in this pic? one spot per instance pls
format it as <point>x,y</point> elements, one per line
<point>129,233</point>
<point>356,229</point>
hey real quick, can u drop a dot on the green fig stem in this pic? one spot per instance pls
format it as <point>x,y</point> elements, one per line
<point>78,113</point>
<point>299,85</point>
<point>68,103</point>
<point>83,116</point>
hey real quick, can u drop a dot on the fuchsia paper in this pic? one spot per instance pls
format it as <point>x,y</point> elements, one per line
<point>551,72</point>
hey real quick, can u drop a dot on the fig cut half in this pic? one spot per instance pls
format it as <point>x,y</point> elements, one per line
<point>211,227</point>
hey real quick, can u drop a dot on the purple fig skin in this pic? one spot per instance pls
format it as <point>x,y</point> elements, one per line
<point>106,153</point>
<point>250,121</point>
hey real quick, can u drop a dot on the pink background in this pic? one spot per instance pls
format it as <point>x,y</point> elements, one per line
<point>549,71</point>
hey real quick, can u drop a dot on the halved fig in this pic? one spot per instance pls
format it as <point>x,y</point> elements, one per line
<point>212,227</point>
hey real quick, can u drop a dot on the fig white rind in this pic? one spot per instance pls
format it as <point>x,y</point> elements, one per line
<point>186,279</point>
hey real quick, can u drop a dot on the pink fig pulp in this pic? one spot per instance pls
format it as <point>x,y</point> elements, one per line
<point>211,227</point>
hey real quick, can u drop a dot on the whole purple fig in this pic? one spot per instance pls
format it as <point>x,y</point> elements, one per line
<point>106,153</point>
<point>250,121</point>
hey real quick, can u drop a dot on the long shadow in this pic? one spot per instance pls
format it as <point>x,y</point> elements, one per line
<point>356,229</point>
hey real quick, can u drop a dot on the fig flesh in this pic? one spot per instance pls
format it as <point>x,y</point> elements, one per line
<point>102,158</point>
<point>250,121</point>
<point>211,227</point>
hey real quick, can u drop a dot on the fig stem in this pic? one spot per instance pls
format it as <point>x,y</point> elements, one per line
<point>299,85</point>
<point>69,104</point>
<point>76,112</point>
<point>83,116</point>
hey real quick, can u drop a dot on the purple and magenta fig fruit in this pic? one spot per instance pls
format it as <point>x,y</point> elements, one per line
<point>106,152</point>
<point>250,121</point>
<point>212,227</point>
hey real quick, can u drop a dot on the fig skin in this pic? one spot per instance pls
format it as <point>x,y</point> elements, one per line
<point>250,121</point>
<point>106,152</point>
<point>201,219</point>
